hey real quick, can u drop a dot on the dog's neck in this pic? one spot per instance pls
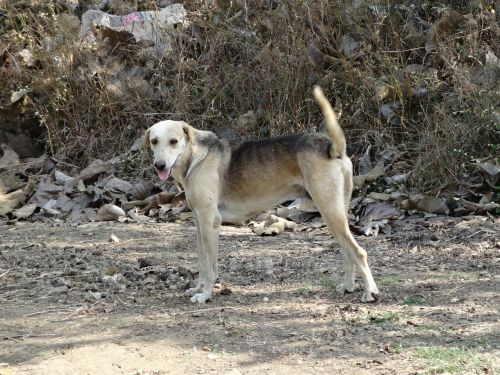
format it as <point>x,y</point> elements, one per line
<point>182,164</point>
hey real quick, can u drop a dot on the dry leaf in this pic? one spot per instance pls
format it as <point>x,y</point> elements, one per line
<point>9,182</point>
<point>378,211</point>
<point>429,204</point>
<point>18,95</point>
<point>142,190</point>
<point>9,158</point>
<point>489,167</point>
<point>110,212</point>
<point>117,185</point>
<point>446,24</point>
<point>25,211</point>
<point>365,162</point>
<point>45,192</point>
<point>303,204</point>
<point>379,196</point>
<point>63,178</point>
<point>10,201</point>
<point>94,169</point>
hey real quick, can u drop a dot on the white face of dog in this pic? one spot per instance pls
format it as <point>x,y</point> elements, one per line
<point>167,140</point>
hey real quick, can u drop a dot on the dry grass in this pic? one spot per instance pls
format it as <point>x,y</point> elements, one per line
<point>266,57</point>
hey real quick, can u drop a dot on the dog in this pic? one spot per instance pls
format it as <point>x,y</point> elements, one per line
<point>225,183</point>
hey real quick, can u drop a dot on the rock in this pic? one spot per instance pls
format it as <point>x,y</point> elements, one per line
<point>114,239</point>
<point>150,280</point>
<point>148,262</point>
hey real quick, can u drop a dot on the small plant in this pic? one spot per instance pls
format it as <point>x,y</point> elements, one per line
<point>306,288</point>
<point>456,276</point>
<point>415,299</point>
<point>386,317</point>
<point>398,347</point>
<point>390,279</point>
<point>452,360</point>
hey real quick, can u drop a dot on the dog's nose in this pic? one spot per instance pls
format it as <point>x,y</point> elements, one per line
<point>160,165</point>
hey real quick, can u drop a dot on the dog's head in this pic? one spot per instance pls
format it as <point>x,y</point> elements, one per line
<point>168,140</point>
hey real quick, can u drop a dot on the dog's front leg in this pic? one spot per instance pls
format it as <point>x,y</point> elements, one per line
<point>201,276</point>
<point>209,222</point>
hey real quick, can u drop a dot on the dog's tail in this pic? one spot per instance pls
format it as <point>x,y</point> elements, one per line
<point>333,129</point>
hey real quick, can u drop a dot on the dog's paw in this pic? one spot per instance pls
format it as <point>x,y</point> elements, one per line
<point>344,288</point>
<point>192,291</point>
<point>369,297</point>
<point>201,297</point>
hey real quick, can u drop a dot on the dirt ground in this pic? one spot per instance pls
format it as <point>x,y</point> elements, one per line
<point>72,301</point>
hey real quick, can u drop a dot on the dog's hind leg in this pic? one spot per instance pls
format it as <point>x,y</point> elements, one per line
<point>327,191</point>
<point>348,285</point>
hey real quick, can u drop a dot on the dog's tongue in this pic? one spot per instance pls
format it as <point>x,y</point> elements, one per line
<point>163,174</point>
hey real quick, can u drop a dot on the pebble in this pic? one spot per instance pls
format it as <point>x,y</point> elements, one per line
<point>114,239</point>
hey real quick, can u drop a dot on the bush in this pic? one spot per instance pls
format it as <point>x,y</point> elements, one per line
<point>411,76</point>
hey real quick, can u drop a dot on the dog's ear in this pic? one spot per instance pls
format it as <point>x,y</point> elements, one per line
<point>189,131</point>
<point>145,142</point>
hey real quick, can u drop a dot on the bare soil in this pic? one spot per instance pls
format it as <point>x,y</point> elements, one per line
<point>74,302</point>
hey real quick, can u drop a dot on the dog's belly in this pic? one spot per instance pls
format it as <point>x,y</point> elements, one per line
<point>239,208</point>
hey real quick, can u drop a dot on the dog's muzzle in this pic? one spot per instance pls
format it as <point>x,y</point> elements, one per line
<point>162,170</point>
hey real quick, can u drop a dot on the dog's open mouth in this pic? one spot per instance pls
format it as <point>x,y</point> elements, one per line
<point>164,174</point>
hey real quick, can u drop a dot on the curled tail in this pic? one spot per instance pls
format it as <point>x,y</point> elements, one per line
<point>333,129</point>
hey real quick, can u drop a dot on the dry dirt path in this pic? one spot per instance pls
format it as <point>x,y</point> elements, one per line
<point>72,302</point>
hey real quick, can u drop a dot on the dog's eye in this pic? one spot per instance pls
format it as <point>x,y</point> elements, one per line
<point>173,141</point>
<point>154,141</point>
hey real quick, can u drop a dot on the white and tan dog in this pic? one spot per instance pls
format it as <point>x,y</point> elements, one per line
<point>232,184</point>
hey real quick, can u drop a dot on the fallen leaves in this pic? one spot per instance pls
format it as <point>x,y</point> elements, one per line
<point>10,201</point>
<point>110,212</point>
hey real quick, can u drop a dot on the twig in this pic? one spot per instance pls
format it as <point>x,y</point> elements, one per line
<point>45,312</point>
<point>5,273</point>
<point>24,337</point>
<point>473,234</point>
<point>235,308</point>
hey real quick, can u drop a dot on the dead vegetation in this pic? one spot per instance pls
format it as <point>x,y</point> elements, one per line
<point>420,78</point>
<point>418,86</point>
